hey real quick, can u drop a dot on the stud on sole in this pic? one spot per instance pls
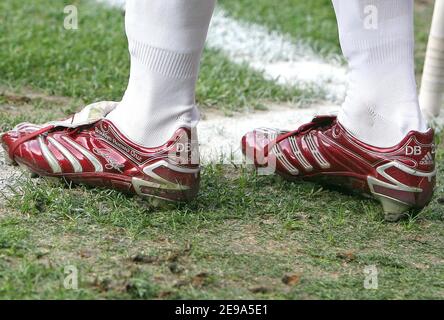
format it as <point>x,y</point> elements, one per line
<point>394,210</point>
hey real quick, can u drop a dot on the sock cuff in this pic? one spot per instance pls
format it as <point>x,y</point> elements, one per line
<point>165,62</point>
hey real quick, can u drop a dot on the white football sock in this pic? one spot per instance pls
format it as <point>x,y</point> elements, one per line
<point>377,40</point>
<point>166,39</point>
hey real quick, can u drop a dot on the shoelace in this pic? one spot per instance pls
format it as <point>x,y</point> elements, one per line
<point>35,134</point>
<point>317,122</point>
<point>28,137</point>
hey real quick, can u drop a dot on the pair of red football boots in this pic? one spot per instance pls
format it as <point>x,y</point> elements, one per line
<point>93,151</point>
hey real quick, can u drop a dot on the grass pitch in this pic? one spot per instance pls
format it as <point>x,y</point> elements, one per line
<point>246,236</point>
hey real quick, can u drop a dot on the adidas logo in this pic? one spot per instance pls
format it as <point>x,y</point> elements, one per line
<point>427,160</point>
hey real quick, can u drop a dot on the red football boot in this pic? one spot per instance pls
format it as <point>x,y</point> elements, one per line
<point>89,149</point>
<point>401,177</point>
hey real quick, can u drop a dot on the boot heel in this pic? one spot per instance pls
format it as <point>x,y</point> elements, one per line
<point>398,198</point>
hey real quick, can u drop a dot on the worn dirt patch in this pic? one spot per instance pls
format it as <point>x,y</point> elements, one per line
<point>8,176</point>
<point>26,96</point>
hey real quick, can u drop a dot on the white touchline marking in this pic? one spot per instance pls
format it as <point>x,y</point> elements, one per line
<point>282,59</point>
<point>279,57</point>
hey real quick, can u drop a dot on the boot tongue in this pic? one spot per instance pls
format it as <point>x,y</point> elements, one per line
<point>324,119</point>
<point>317,122</point>
<point>88,115</point>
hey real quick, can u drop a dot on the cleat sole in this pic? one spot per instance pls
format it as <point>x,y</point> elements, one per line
<point>394,210</point>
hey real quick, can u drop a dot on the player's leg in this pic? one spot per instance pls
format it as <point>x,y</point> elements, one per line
<point>379,144</point>
<point>165,39</point>
<point>377,41</point>
<point>145,144</point>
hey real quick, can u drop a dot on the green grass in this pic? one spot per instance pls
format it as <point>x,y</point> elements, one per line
<point>243,236</point>
<point>239,239</point>
<point>315,22</point>
<point>92,63</point>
